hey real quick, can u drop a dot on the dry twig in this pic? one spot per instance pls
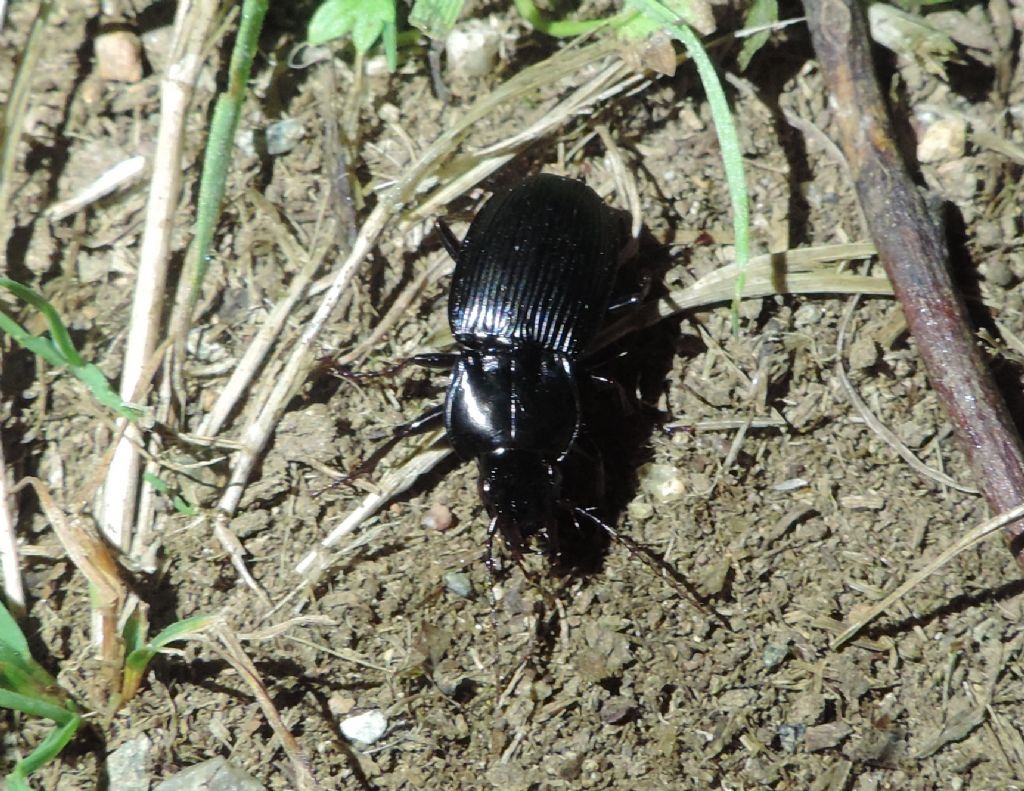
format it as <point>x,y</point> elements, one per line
<point>966,541</point>
<point>192,24</point>
<point>243,665</point>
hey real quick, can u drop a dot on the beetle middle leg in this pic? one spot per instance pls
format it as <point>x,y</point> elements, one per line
<point>438,360</point>
<point>429,420</point>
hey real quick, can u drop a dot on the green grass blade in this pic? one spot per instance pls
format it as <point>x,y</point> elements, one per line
<point>186,627</point>
<point>59,350</point>
<point>55,741</point>
<point>34,706</point>
<point>16,783</point>
<point>728,141</point>
<point>564,28</point>
<point>11,634</point>
<point>138,660</point>
<point>19,672</point>
<point>181,505</point>
<point>41,347</point>
<point>436,18</point>
<point>217,157</point>
<point>59,333</point>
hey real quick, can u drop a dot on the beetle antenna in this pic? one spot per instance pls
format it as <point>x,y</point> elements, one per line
<point>656,564</point>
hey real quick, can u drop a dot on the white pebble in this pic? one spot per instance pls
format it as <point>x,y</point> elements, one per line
<point>663,482</point>
<point>365,728</point>
<point>942,140</point>
<point>472,48</point>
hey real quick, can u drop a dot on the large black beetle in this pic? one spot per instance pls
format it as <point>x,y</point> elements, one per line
<point>531,287</point>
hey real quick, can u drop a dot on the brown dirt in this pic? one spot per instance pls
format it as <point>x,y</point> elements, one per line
<point>617,681</point>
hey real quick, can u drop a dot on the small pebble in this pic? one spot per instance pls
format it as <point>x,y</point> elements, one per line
<point>458,583</point>
<point>365,728</point>
<point>437,517</point>
<point>340,705</point>
<point>617,711</point>
<point>118,56</point>
<point>790,736</point>
<point>284,135</point>
<point>773,655</point>
<point>942,140</point>
<point>214,773</point>
<point>823,737</point>
<point>663,482</point>
<point>126,766</point>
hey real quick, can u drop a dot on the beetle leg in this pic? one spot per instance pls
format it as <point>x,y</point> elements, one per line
<point>426,359</point>
<point>492,528</point>
<point>433,360</point>
<point>449,240</point>
<point>626,404</point>
<point>656,564</point>
<point>430,419</point>
<point>622,300</point>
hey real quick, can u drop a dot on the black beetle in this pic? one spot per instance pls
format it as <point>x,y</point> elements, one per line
<point>532,283</point>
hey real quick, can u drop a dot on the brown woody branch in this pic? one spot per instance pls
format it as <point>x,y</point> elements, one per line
<point>916,259</point>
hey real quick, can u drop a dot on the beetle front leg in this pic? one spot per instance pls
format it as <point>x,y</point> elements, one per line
<point>430,419</point>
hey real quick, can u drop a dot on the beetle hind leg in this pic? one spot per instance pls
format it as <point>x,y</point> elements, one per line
<point>449,240</point>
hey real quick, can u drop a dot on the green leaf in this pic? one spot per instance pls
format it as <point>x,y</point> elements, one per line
<point>436,18</point>
<point>762,12</point>
<point>333,19</point>
<point>11,634</point>
<point>138,660</point>
<point>181,505</point>
<point>366,31</point>
<point>366,20</point>
<point>59,351</point>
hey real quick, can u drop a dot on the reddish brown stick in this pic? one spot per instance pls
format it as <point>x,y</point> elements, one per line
<point>916,259</point>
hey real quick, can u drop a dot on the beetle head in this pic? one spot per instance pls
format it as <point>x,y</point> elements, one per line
<point>519,489</point>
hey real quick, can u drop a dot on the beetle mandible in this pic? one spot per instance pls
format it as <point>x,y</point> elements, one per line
<point>532,283</point>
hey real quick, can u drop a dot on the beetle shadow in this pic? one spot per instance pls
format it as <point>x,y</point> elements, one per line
<point>619,386</point>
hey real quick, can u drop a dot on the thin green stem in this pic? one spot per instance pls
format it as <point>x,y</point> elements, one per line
<point>222,138</point>
<point>728,140</point>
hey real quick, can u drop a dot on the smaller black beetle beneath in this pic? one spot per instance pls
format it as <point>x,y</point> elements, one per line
<point>532,284</point>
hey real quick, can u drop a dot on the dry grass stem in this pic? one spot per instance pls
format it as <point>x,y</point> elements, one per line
<point>243,665</point>
<point>391,485</point>
<point>193,22</point>
<point>625,183</point>
<point>91,556</point>
<point>440,264</point>
<point>123,173</point>
<point>808,270</point>
<point>237,386</point>
<point>10,566</point>
<point>872,420</point>
<point>965,542</point>
<point>236,552</point>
